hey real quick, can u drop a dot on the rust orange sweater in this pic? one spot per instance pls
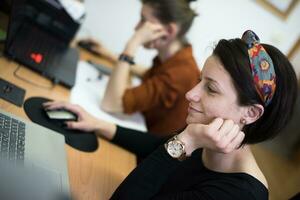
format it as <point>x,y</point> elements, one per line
<point>161,96</point>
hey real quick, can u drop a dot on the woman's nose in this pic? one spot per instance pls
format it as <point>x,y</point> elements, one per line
<point>194,94</point>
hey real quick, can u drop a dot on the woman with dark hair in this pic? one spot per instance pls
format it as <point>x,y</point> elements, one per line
<point>160,96</point>
<point>246,95</point>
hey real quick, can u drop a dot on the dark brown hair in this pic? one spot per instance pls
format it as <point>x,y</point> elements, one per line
<point>233,54</point>
<point>177,11</point>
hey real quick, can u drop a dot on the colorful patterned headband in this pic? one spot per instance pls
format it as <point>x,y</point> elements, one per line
<point>261,66</point>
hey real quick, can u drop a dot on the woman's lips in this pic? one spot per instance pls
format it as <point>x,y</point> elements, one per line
<point>192,109</point>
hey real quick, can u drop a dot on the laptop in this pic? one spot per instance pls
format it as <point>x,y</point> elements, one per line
<point>38,36</point>
<point>35,161</point>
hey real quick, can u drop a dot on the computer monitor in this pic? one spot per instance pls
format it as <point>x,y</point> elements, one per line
<point>5,7</point>
<point>46,14</point>
<point>38,37</point>
<point>13,27</point>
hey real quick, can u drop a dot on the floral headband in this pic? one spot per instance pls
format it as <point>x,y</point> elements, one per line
<point>262,67</point>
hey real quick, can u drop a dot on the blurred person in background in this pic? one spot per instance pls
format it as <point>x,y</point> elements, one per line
<point>161,95</point>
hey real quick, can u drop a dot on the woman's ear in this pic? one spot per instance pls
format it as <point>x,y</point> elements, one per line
<point>252,113</point>
<point>172,30</point>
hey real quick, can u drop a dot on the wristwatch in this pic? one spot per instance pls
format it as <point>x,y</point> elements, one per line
<point>126,58</point>
<point>175,148</point>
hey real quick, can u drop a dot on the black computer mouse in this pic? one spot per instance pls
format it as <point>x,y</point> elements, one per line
<point>85,44</point>
<point>88,45</point>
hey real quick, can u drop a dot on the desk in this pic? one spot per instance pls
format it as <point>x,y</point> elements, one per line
<point>92,175</point>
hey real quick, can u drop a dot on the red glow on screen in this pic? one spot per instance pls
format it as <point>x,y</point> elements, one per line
<point>36,57</point>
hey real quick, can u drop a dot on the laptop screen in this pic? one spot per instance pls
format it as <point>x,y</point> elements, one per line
<point>4,13</point>
<point>48,15</point>
<point>14,23</point>
<point>38,37</point>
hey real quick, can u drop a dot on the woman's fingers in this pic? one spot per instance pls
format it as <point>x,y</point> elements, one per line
<point>74,125</point>
<point>158,31</point>
<point>215,125</point>
<point>85,121</point>
<point>149,32</point>
<point>235,142</point>
<point>52,105</point>
<point>226,127</point>
<point>158,34</point>
<point>225,135</point>
<point>55,105</point>
<point>220,135</point>
<point>74,109</point>
<point>154,26</point>
<point>229,139</point>
<point>219,128</point>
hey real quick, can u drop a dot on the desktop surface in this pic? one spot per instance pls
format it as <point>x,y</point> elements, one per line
<point>93,175</point>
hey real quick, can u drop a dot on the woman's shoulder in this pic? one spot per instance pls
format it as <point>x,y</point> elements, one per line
<point>242,176</point>
<point>247,164</point>
<point>234,185</point>
<point>253,170</point>
<point>238,186</point>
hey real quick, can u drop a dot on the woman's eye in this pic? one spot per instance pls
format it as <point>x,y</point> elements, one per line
<point>210,90</point>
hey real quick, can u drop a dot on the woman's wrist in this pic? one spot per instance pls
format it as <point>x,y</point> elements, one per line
<point>188,141</point>
<point>106,130</point>
<point>132,46</point>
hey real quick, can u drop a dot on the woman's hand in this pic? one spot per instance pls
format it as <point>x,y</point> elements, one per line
<point>220,135</point>
<point>85,122</point>
<point>147,33</point>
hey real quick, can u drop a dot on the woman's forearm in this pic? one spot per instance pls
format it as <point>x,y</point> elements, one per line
<point>118,82</point>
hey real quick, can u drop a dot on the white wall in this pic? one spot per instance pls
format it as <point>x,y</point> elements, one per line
<point>112,22</point>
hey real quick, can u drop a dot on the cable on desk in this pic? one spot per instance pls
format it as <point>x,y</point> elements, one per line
<point>30,82</point>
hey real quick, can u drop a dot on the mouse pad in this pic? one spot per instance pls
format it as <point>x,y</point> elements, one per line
<point>77,139</point>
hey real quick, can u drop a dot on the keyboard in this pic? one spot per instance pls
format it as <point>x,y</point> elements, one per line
<point>12,138</point>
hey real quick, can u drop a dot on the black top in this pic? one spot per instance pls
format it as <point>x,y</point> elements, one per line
<point>161,177</point>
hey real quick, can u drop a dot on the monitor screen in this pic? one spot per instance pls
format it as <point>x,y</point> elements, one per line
<point>48,15</point>
<point>5,8</point>
<point>14,22</point>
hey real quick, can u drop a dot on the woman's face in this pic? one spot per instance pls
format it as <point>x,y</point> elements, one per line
<point>214,96</point>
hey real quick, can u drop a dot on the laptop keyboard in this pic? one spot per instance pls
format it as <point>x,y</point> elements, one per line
<point>12,138</point>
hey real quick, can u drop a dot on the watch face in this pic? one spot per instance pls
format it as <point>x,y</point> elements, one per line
<point>175,149</point>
